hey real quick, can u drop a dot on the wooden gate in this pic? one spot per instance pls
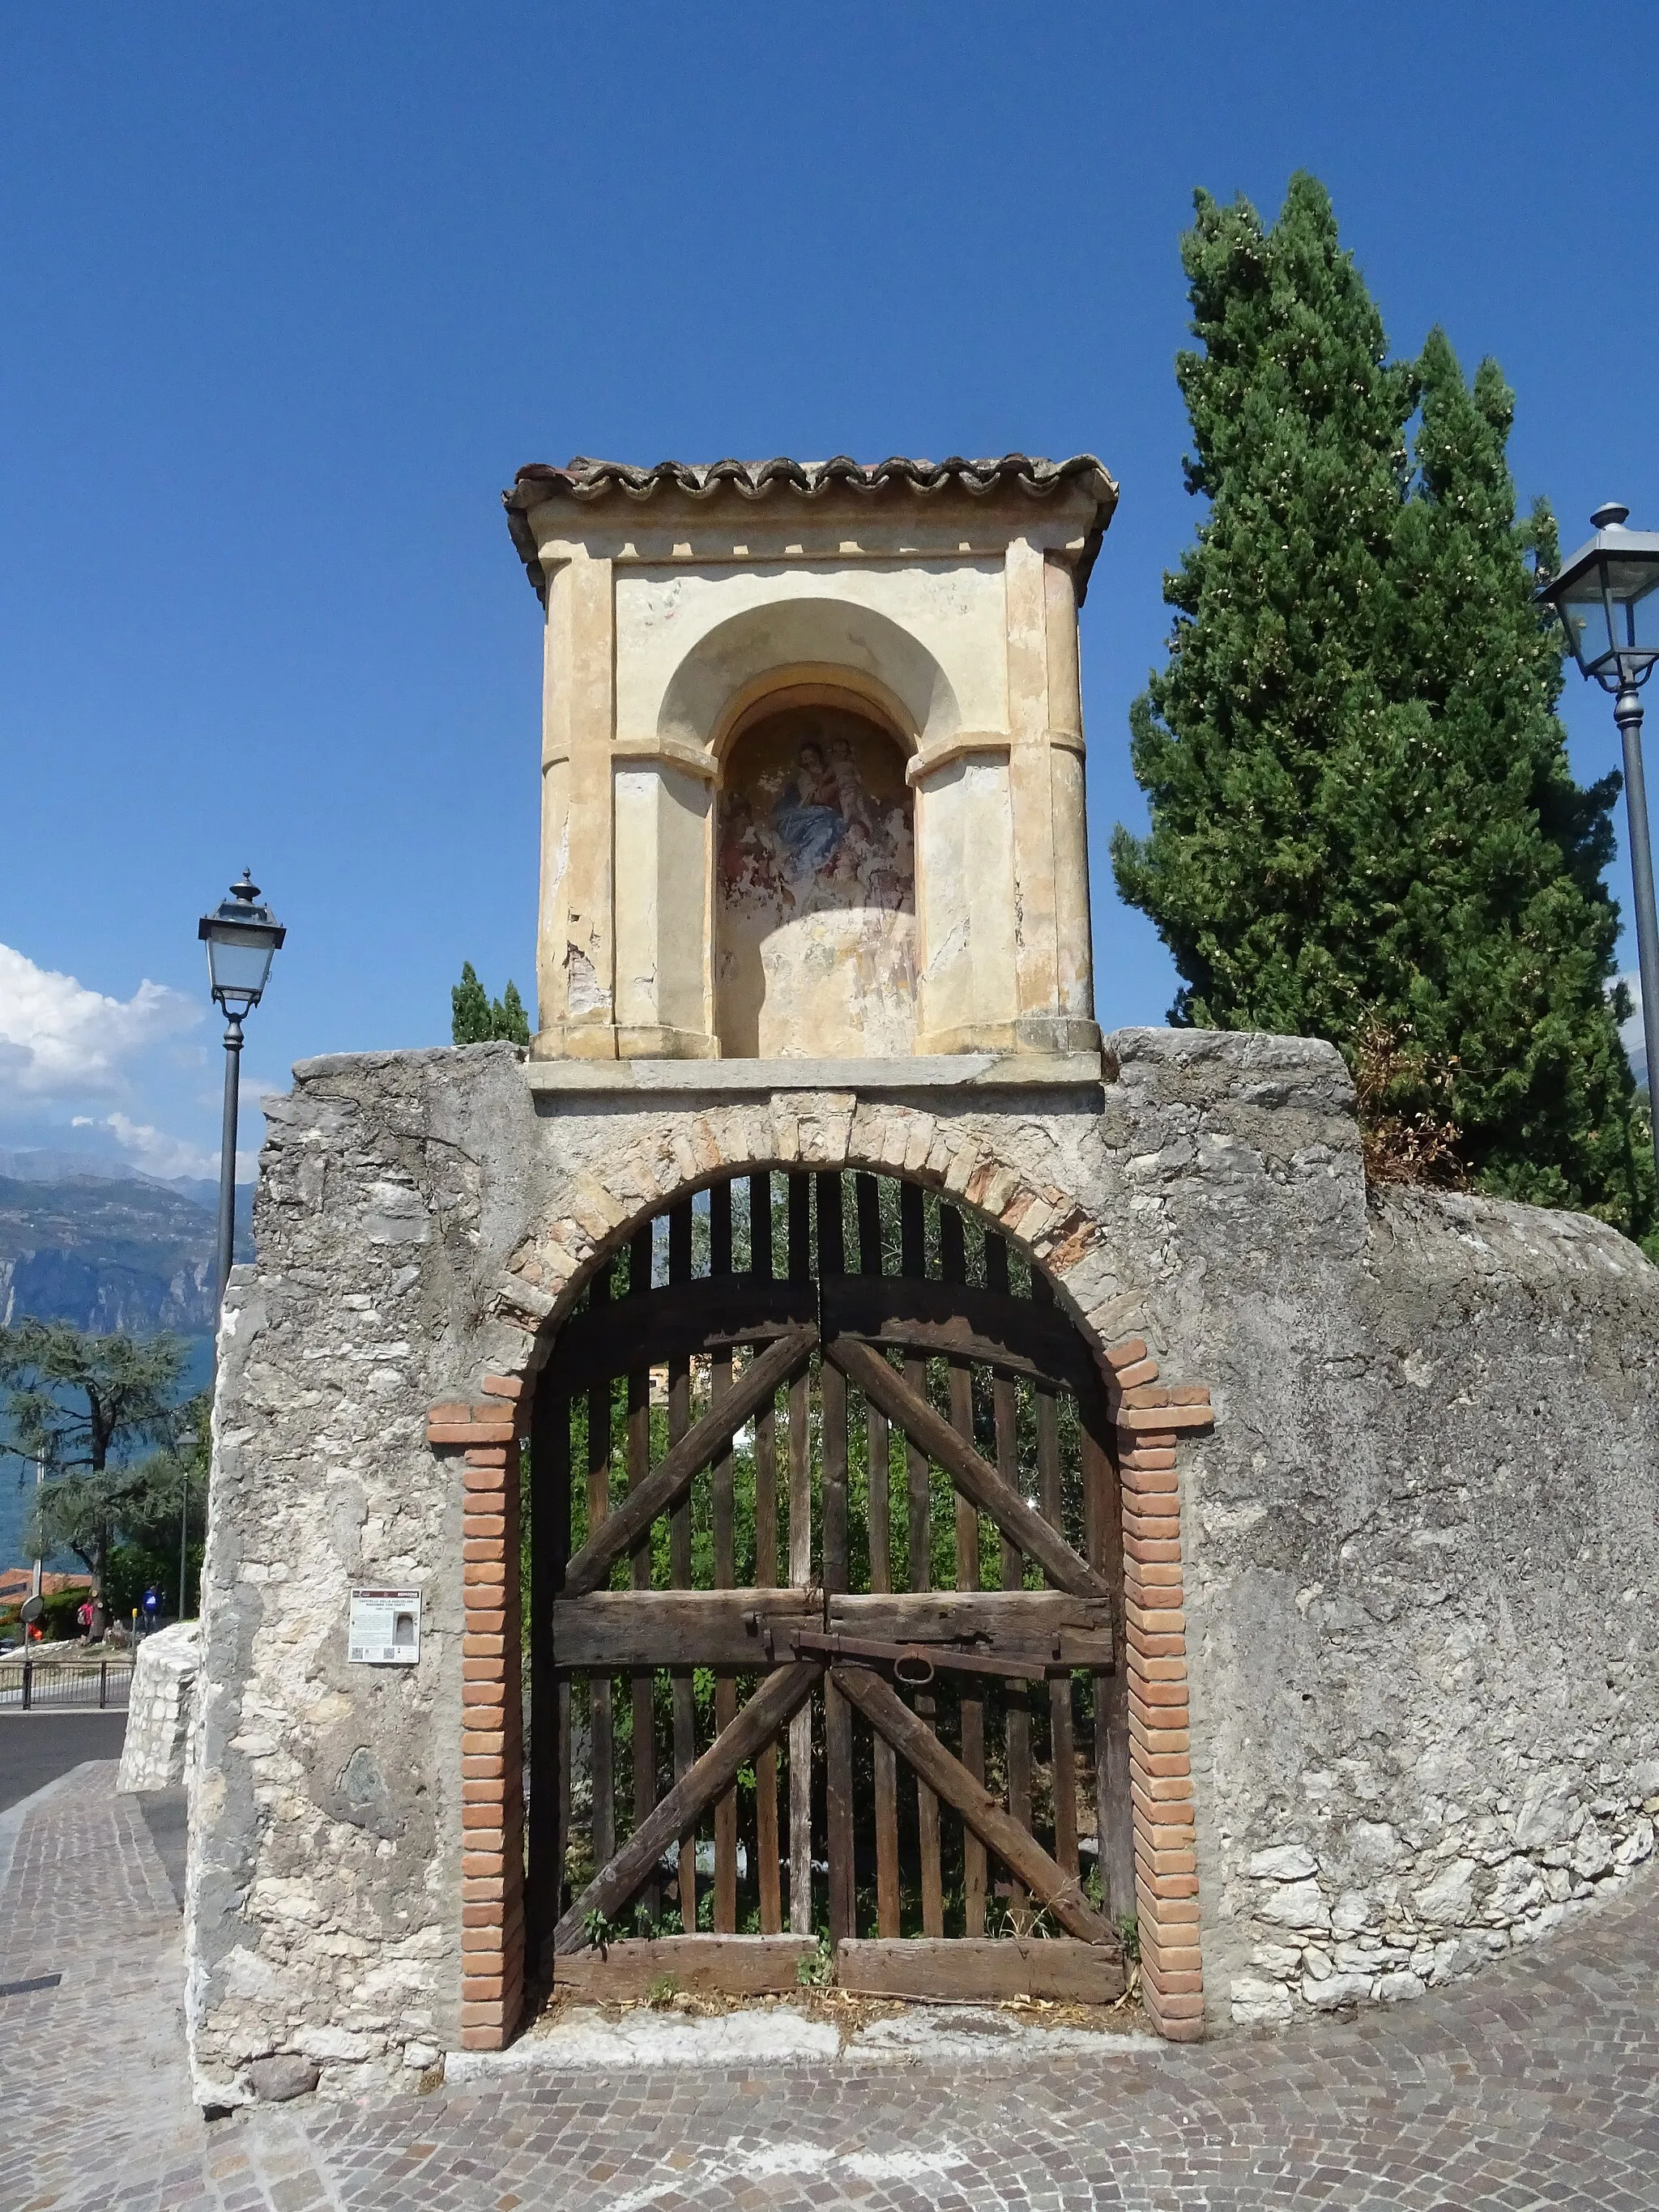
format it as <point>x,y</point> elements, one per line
<point>826,1642</point>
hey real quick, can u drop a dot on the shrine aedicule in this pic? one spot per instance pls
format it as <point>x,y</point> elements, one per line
<point>812,757</point>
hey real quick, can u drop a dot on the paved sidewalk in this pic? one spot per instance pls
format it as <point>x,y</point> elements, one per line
<point>1535,2085</point>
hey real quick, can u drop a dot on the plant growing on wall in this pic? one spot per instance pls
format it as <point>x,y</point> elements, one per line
<point>1364,824</point>
<point>476,1018</point>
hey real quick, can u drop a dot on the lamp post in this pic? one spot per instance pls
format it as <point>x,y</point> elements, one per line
<point>1607,596</point>
<point>240,936</point>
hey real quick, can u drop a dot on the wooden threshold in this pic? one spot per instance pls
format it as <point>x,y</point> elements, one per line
<point>985,1968</point>
<point>700,1966</point>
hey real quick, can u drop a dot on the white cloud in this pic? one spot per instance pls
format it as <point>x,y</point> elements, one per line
<point>157,1153</point>
<point>60,1041</point>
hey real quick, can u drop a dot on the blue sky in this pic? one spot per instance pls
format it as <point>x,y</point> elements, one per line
<point>287,294</point>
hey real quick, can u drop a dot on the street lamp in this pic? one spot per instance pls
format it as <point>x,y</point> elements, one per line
<point>240,936</point>
<point>1607,596</point>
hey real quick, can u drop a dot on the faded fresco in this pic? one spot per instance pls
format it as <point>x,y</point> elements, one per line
<point>815,892</point>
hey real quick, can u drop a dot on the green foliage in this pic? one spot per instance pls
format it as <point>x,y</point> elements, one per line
<point>1364,824</point>
<point>816,1970</point>
<point>80,1403</point>
<point>56,1623</point>
<point>599,1930</point>
<point>476,1018</point>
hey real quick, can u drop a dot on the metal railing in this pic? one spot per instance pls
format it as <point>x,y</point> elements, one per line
<point>31,1684</point>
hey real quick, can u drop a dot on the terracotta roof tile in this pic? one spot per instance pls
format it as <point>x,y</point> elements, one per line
<point>588,482</point>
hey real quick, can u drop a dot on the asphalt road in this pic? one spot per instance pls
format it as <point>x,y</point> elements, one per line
<point>35,1748</point>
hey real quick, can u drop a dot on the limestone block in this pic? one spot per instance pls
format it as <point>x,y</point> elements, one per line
<point>1448,1900</point>
<point>1295,1904</point>
<point>1545,1815</point>
<point>1337,1989</point>
<point>160,1704</point>
<point>1283,1863</point>
<point>1260,2004</point>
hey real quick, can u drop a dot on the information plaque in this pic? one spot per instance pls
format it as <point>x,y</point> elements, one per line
<point>385,1627</point>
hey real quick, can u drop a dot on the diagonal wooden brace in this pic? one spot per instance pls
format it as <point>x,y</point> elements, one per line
<point>975,1478</point>
<point>780,1697</point>
<point>626,1524</point>
<point>996,1828</point>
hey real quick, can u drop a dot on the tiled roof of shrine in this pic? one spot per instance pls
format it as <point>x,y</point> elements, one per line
<point>587,482</point>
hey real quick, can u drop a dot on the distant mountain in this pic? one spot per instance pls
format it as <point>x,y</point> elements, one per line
<point>107,1249</point>
<point>108,1253</point>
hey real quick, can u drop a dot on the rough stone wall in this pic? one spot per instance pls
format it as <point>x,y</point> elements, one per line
<point>160,1704</point>
<point>1431,1480</point>
<point>1420,1544</point>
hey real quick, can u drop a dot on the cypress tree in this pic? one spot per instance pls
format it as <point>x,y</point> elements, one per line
<point>1363,822</point>
<point>1502,945</point>
<point>469,1001</point>
<point>476,1018</point>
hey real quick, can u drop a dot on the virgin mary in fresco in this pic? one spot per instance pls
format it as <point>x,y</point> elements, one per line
<point>807,813</point>
<point>807,833</point>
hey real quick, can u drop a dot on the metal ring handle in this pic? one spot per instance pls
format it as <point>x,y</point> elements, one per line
<point>914,1669</point>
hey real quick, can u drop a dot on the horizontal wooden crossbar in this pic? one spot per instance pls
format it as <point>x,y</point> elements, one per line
<point>615,1630</point>
<point>1012,1335</point>
<point>713,1314</point>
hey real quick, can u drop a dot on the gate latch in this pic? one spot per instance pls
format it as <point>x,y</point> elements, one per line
<point>914,1664</point>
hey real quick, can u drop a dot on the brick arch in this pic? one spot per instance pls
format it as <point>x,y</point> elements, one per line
<point>594,1214</point>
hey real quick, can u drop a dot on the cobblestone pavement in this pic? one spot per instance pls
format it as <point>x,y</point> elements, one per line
<point>1535,2085</point>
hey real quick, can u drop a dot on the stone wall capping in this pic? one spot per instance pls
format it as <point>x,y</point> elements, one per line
<point>765,1079</point>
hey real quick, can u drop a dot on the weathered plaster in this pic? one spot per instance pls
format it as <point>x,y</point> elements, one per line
<point>951,622</point>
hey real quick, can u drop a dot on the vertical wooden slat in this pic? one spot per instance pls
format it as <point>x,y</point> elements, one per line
<point>912,1260</point>
<point>1114,1810</point>
<point>766,1575</point>
<point>726,1683</point>
<point>800,1576</point>
<point>837,1714</point>
<point>1004,1407</point>
<point>637,1446</point>
<point>1050,1502</point>
<point>881,1578</point>
<point>601,1756</point>
<point>954,1269</point>
<point>549,1752</point>
<point>1060,1685</point>
<point>679,1565</point>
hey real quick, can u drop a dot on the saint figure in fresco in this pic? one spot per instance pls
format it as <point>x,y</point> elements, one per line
<point>807,812</point>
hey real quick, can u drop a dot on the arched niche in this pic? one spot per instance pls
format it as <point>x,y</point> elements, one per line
<point>791,640</point>
<point>815,905</point>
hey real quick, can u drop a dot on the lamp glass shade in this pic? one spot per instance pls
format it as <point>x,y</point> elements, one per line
<point>1609,602</point>
<point>240,937</point>
<point>239,960</point>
